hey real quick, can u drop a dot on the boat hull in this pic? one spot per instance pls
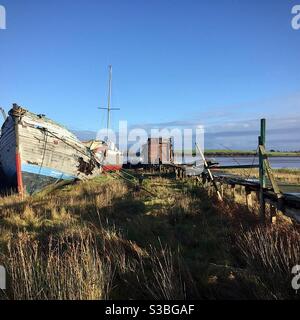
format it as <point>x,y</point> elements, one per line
<point>109,156</point>
<point>111,167</point>
<point>36,178</point>
<point>36,152</point>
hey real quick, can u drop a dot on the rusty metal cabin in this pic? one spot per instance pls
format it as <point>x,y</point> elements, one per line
<point>158,151</point>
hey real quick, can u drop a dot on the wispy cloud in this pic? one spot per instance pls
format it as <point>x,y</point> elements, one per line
<point>237,126</point>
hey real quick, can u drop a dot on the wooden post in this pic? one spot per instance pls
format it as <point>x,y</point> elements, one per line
<point>249,199</point>
<point>273,213</point>
<point>209,172</point>
<point>265,170</point>
<point>233,190</point>
<point>262,173</point>
<point>222,190</point>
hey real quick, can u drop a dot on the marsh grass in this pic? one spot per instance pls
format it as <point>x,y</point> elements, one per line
<point>162,275</point>
<point>271,253</point>
<point>101,239</point>
<point>68,269</point>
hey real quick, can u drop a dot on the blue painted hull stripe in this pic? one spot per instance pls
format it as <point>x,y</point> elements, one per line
<point>48,172</point>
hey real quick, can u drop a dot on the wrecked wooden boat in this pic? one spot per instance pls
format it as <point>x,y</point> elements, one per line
<point>36,152</point>
<point>110,157</point>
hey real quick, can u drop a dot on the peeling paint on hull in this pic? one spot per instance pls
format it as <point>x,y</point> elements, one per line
<point>35,152</point>
<point>36,178</point>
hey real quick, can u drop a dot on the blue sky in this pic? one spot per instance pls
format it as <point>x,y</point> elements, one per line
<point>223,63</point>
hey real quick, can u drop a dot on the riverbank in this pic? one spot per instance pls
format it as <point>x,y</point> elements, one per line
<point>288,176</point>
<point>240,153</point>
<point>104,239</point>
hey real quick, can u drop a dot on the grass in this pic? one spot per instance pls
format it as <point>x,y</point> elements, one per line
<point>103,239</point>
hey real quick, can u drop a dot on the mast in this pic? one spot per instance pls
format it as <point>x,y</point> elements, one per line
<point>109,98</point>
<point>109,108</point>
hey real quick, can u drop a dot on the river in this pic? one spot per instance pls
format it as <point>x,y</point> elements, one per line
<point>276,162</point>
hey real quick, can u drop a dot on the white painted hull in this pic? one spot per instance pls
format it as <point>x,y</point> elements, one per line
<point>48,152</point>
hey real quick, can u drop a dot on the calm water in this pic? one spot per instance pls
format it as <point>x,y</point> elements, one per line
<point>276,162</point>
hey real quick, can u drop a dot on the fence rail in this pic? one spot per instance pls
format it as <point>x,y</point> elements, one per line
<point>265,194</point>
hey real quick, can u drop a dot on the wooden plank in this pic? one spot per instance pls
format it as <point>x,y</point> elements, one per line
<point>209,172</point>
<point>269,172</point>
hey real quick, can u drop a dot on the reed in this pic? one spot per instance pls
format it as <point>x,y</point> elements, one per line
<point>103,239</point>
<point>271,253</point>
<point>68,269</point>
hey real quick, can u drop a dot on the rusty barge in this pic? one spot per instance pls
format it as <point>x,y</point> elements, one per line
<point>36,152</point>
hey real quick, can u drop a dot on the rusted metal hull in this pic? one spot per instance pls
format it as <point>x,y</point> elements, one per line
<point>36,152</point>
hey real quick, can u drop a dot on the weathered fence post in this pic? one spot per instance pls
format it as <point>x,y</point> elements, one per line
<point>262,173</point>
<point>233,190</point>
<point>209,173</point>
<point>273,213</point>
<point>222,190</point>
<point>249,201</point>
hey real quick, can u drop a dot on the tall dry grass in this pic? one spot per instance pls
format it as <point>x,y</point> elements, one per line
<point>101,240</point>
<point>69,268</point>
<point>271,253</point>
<point>162,276</point>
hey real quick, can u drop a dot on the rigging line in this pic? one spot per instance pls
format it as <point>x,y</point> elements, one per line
<point>42,163</point>
<point>92,157</point>
<point>251,169</point>
<point>115,176</point>
<point>136,184</point>
<point>244,170</point>
<point>70,145</point>
<point>128,174</point>
<point>123,176</point>
<point>231,152</point>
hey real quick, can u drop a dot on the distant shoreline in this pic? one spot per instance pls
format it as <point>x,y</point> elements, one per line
<point>239,153</point>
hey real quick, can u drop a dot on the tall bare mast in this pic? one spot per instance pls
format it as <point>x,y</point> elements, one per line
<point>109,108</point>
<point>109,97</point>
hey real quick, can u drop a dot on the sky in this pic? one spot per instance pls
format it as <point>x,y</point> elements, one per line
<point>223,64</point>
